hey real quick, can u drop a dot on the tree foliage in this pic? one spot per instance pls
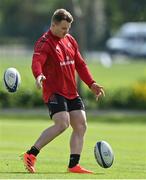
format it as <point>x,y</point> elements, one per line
<point>24,21</point>
<point>121,11</point>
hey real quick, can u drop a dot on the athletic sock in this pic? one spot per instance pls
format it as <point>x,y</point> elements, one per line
<point>74,160</point>
<point>33,151</point>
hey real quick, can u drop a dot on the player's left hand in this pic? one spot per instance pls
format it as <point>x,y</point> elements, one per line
<point>97,90</point>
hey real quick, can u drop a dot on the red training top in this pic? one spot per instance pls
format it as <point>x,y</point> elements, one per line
<point>57,59</point>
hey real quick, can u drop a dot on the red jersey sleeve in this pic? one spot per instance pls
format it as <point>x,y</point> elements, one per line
<point>81,67</point>
<point>39,57</point>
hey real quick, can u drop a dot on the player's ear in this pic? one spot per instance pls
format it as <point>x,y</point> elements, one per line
<point>53,24</point>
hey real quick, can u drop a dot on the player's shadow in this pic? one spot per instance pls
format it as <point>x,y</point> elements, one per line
<point>6,172</point>
<point>50,172</point>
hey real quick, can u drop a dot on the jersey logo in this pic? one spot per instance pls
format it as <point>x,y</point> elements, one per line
<point>69,44</point>
<point>58,49</point>
<point>67,58</point>
<point>65,63</point>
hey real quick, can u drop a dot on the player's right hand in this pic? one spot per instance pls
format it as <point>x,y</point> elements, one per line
<point>39,81</point>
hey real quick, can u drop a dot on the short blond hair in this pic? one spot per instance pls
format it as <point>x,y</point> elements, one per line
<point>62,14</point>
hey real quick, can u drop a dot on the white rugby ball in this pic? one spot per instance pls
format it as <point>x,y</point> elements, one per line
<point>103,154</point>
<point>12,79</point>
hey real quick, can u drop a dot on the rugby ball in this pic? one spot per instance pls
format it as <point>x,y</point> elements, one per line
<point>12,79</point>
<point>103,154</point>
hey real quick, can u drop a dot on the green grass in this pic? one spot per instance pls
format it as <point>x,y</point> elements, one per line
<point>17,134</point>
<point>119,75</point>
<point>23,64</point>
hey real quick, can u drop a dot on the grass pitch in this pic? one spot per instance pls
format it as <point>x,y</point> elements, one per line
<point>118,75</point>
<point>17,134</point>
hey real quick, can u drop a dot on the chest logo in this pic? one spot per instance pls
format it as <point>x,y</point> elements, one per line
<point>65,63</point>
<point>69,44</point>
<point>58,49</point>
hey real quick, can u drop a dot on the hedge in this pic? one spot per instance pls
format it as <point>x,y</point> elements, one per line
<point>133,97</point>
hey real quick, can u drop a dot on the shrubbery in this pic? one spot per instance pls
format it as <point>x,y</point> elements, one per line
<point>20,99</point>
<point>126,98</point>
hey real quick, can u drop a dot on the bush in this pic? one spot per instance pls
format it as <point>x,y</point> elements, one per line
<point>21,99</point>
<point>126,98</point>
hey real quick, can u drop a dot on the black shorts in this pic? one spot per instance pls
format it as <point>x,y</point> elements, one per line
<point>58,103</point>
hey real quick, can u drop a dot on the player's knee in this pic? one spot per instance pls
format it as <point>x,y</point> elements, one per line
<point>63,125</point>
<point>81,128</point>
<point>62,121</point>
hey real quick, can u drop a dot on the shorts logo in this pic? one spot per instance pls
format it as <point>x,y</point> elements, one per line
<point>53,100</point>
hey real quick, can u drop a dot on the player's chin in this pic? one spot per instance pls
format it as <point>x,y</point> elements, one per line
<point>63,35</point>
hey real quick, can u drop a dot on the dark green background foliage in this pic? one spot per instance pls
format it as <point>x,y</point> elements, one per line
<point>25,22</point>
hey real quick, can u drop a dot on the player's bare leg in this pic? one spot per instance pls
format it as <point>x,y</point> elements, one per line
<point>61,122</point>
<point>79,125</point>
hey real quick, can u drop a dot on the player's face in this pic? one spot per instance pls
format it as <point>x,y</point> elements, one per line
<point>61,29</point>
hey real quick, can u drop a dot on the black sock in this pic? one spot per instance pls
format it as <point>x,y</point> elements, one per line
<point>74,160</point>
<point>33,151</point>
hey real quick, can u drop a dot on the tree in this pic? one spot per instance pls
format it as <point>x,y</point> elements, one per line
<point>26,20</point>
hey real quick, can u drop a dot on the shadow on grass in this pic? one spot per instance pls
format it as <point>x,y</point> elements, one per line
<point>6,172</point>
<point>33,173</point>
